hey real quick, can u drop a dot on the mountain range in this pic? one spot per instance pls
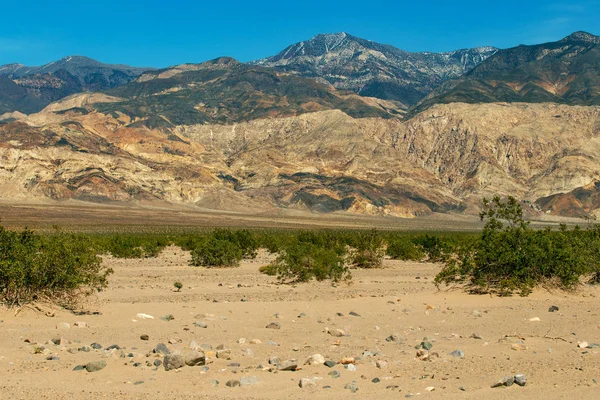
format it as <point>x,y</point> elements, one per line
<point>333,124</point>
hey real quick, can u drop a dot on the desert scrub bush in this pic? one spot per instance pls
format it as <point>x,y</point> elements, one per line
<point>134,246</point>
<point>56,267</point>
<point>302,261</point>
<point>213,252</point>
<point>403,248</point>
<point>242,238</point>
<point>367,249</point>
<point>509,256</point>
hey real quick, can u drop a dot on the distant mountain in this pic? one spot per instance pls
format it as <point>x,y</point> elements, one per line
<point>372,69</point>
<point>33,88</point>
<point>224,90</point>
<point>566,71</point>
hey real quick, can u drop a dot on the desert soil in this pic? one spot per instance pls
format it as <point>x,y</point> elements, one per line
<point>236,303</point>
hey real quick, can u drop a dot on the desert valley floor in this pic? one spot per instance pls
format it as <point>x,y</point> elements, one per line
<point>384,314</point>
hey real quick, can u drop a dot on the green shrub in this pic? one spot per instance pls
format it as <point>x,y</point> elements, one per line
<point>56,267</point>
<point>404,249</point>
<point>214,252</point>
<point>301,262</point>
<point>509,256</point>
<point>367,249</point>
<point>433,247</point>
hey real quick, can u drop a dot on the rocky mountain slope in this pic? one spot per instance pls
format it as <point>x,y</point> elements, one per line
<point>442,160</point>
<point>29,89</point>
<point>566,71</point>
<point>375,70</point>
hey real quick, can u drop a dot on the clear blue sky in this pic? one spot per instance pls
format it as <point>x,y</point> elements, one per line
<point>161,33</point>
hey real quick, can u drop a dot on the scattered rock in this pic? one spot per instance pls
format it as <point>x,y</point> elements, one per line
<point>145,337</point>
<point>316,359</point>
<point>241,341</point>
<point>58,341</point>
<point>173,361</point>
<point>144,316</point>
<point>200,324</point>
<point>289,365</point>
<point>79,368</point>
<point>80,324</point>
<point>351,367</point>
<point>457,353</point>
<point>273,325</point>
<point>376,380</point>
<point>193,358</point>
<point>425,345</point>
<point>476,336</point>
<point>335,374</point>
<point>274,361</point>
<point>157,363</point>
<point>162,348</point>
<point>306,383</point>
<point>583,345</point>
<point>394,339</point>
<point>335,332</point>
<point>224,354</point>
<point>168,317</point>
<point>553,309</point>
<point>95,366</point>
<point>255,341</point>
<point>476,314</point>
<point>232,383</point>
<point>381,364</point>
<point>330,363</point>
<point>519,346</point>
<point>534,319</point>
<point>347,360</point>
<point>96,346</point>
<point>352,386</point>
<point>354,314</point>
<point>506,381</point>
<point>213,382</point>
<point>521,379</point>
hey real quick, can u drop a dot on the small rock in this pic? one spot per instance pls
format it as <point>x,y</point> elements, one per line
<point>301,315</point>
<point>57,341</point>
<point>95,366</point>
<point>394,339</point>
<point>381,364</point>
<point>336,332</point>
<point>553,309</point>
<point>145,337</point>
<point>175,340</point>
<point>144,316</point>
<point>85,349</point>
<point>168,317</point>
<point>330,363</point>
<point>200,324</point>
<point>306,383</point>
<point>335,374</point>
<point>79,368</point>
<point>316,359</point>
<point>351,367</point>
<point>425,345</point>
<point>583,345</point>
<point>162,348</point>
<point>506,381</point>
<point>80,324</point>
<point>248,381</point>
<point>273,325</point>
<point>354,314</point>
<point>255,341</point>
<point>63,326</point>
<point>352,386</point>
<point>518,346</point>
<point>376,380</point>
<point>157,363</point>
<point>457,353</point>
<point>347,360</point>
<point>534,319</point>
<point>113,347</point>
<point>232,383</point>
<point>274,361</point>
<point>521,379</point>
<point>213,383</point>
<point>224,354</point>
<point>476,336</point>
<point>193,358</point>
<point>476,314</point>
<point>241,341</point>
<point>289,365</point>
<point>430,388</point>
<point>173,361</point>
<point>96,346</point>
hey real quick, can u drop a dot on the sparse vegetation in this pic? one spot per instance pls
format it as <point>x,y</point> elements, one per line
<point>56,267</point>
<point>178,285</point>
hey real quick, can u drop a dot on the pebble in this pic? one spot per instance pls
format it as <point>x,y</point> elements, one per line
<point>352,386</point>
<point>63,326</point>
<point>534,319</point>
<point>274,361</point>
<point>336,332</point>
<point>306,383</point>
<point>425,345</point>
<point>347,360</point>
<point>506,381</point>
<point>224,354</point>
<point>376,380</point>
<point>193,358</point>
<point>168,317</point>
<point>301,315</point>
<point>381,364</point>
<point>213,382</point>
<point>232,383</point>
<point>79,368</point>
<point>476,314</point>
<point>335,374</point>
<point>553,309</point>
<point>241,341</point>
<point>248,381</point>
<point>95,366</point>
<point>354,314</point>
<point>351,367</point>
<point>157,363</point>
<point>457,353</point>
<point>162,348</point>
<point>200,324</point>
<point>96,346</point>
<point>476,336</point>
<point>144,316</point>
<point>145,337</point>
<point>173,361</point>
<point>273,325</point>
<point>394,339</point>
<point>521,379</point>
<point>330,363</point>
<point>255,341</point>
<point>80,324</point>
<point>583,345</point>
<point>316,359</point>
<point>288,365</point>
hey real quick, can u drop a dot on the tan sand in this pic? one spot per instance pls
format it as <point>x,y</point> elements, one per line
<point>398,299</point>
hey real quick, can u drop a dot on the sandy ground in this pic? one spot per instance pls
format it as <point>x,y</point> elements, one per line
<point>238,303</point>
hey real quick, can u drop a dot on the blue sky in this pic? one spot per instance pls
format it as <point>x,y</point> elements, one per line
<point>161,33</point>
